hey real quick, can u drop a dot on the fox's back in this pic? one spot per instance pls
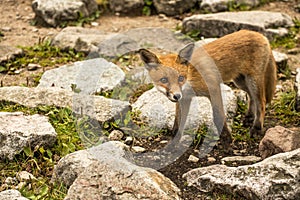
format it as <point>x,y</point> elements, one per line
<point>243,52</point>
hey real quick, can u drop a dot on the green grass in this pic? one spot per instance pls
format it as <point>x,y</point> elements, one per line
<point>283,110</point>
<point>40,160</point>
<point>290,40</point>
<point>43,54</point>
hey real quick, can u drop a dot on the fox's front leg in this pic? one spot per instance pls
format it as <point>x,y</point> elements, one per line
<point>181,113</point>
<point>219,117</point>
<point>177,119</point>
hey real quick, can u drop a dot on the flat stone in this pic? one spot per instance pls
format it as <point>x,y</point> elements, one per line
<point>85,77</point>
<point>18,131</point>
<point>276,177</point>
<point>220,24</point>
<point>214,6</point>
<point>240,160</point>
<point>97,107</point>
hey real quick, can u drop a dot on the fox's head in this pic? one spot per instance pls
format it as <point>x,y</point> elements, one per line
<point>168,72</point>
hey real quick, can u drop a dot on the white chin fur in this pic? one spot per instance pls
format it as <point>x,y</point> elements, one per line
<point>162,90</point>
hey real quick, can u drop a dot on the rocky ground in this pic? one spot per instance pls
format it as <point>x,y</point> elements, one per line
<point>18,30</point>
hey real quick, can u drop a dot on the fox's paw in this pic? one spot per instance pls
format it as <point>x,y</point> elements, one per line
<point>255,132</point>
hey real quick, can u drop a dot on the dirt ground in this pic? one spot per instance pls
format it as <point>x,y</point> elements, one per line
<point>15,24</point>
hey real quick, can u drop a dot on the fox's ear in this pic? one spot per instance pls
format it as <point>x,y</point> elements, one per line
<point>185,53</point>
<point>149,58</point>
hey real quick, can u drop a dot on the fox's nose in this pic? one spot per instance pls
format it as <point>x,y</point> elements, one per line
<point>177,97</point>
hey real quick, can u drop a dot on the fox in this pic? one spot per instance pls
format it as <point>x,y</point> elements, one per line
<point>244,57</point>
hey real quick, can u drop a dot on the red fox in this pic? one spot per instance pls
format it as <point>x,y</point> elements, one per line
<point>244,57</point>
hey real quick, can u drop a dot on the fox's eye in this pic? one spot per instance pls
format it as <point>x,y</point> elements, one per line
<point>180,78</point>
<point>164,80</point>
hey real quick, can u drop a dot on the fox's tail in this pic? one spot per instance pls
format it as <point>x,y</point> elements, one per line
<point>270,78</point>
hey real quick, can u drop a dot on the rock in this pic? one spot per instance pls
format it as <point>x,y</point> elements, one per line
<point>281,60</point>
<point>116,45</point>
<point>25,176</point>
<point>213,6</point>
<point>11,181</point>
<point>159,112</point>
<point>56,12</point>
<point>297,88</point>
<point>96,107</point>
<point>278,140</point>
<point>220,24</point>
<point>211,159</point>
<point>79,38</point>
<point>159,38</point>
<point>128,140</point>
<point>109,175</point>
<point>193,159</point>
<point>128,7</point>
<point>138,149</point>
<point>11,194</point>
<point>116,135</point>
<point>85,77</point>
<point>33,66</point>
<point>112,45</point>
<point>240,160</point>
<point>18,131</point>
<point>8,53</point>
<point>175,7</point>
<point>276,177</point>
<point>69,167</point>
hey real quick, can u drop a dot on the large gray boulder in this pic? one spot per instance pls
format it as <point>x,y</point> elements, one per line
<point>88,77</point>
<point>56,12</point>
<point>11,194</point>
<point>159,112</point>
<point>175,7</point>
<point>112,45</point>
<point>104,173</point>
<point>97,107</point>
<point>225,5</point>
<point>277,177</point>
<point>18,131</point>
<point>220,24</point>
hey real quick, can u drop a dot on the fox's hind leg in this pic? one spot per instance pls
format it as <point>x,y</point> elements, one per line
<point>240,82</point>
<point>257,96</point>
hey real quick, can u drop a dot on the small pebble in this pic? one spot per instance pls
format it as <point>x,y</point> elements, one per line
<point>94,24</point>
<point>138,149</point>
<point>193,159</point>
<point>128,140</point>
<point>25,176</point>
<point>33,66</point>
<point>6,29</point>
<point>116,135</point>
<point>211,159</point>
